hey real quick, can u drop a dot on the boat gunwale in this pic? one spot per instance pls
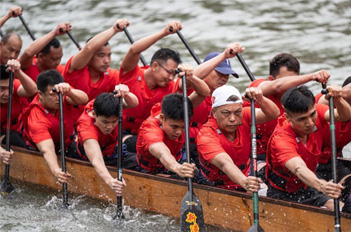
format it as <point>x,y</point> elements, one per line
<point>263,199</point>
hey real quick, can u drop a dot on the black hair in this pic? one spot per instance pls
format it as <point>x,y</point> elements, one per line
<point>232,98</point>
<point>347,81</point>
<point>3,74</point>
<point>298,100</point>
<point>7,36</point>
<point>49,77</point>
<point>283,60</point>
<point>54,43</point>
<point>106,104</point>
<point>172,107</point>
<point>165,54</point>
<point>93,37</point>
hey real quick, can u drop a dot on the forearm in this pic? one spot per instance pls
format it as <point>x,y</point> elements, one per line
<point>269,110</point>
<point>77,97</point>
<point>130,100</point>
<point>207,67</point>
<point>144,43</point>
<point>346,93</point>
<point>29,87</point>
<point>343,110</point>
<point>100,168</point>
<point>309,178</point>
<point>199,86</point>
<point>3,19</point>
<point>162,153</point>
<point>234,173</point>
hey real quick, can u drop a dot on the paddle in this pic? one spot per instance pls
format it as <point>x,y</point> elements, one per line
<point>62,150</point>
<point>185,42</point>
<point>72,38</point>
<point>191,214</point>
<point>119,213</point>
<point>6,186</point>
<point>26,26</point>
<point>1,33</point>
<point>337,225</point>
<point>132,41</point>
<point>256,226</point>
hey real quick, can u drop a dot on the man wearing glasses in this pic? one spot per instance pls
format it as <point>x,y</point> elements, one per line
<point>151,83</point>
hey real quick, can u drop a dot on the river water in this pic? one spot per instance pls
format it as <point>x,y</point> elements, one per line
<point>316,32</point>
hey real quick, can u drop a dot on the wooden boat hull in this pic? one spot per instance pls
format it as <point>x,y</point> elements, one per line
<point>227,209</point>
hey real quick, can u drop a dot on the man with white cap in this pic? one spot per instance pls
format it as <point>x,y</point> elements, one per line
<point>223,142</point>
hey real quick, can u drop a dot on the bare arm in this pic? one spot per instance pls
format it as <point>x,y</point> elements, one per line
<point>47,147</point>
<point>226,165</point>
<point>281,85</point>
<point>93,151</point>
<point>37,45</point>
<point>161,152</point>
<point>74,96</point>
<point>342,112</point>
<point>298,167</point>
<point>131,59</point>
<point>129,99</point>
<point>207,67</point>
<point>28,87</point>
<point>192,81</point>
<point>83,57</point>
<point>13,12</point>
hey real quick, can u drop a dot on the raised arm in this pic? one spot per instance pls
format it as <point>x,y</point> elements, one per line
<point>28,87</point>
<point>93,151</point>
<point>129,99</point>
<point>37,45</point>
<point>226,165</point>
<point>13,12</point>
<point>131,59</point>
<point>162,152</point>
<point>47,147</point>
<point>83,57</point>
<point>342,111</point>
<point>268,110</point>
<point>298,167</point>
<point>281,85</point>
<point>74,96</point>
<point>204,69</point>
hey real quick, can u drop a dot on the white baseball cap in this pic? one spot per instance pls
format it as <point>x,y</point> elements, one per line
<point>220,96</point>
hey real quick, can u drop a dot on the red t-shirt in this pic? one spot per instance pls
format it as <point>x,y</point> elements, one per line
<point>211,142</point>
<point>16,110</point>
<point>151,132</point>
<point>264,130</point>
<point>33,70</point>
<point>81,79</point>
<point>133,117</point>
<point>87,129</point>
<point>200,116</point>
<point>285,145</point>
<point>40,125</point>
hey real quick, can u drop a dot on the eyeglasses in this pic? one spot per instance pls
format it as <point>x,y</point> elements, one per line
<point>171,72</point>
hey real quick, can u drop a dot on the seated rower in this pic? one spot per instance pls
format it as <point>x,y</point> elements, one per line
<point>44,53</point>
<point>152,82</point>
<point>98,132</point>
<point>23,87</point>
<point>295,148</point>
<point>224,141</point>
<point>161,136</point>
<point>41,119</point>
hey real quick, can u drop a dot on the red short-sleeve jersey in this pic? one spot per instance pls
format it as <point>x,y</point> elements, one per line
<point>33,70</point>
<point>16,110</point>
<point>40,125</point>
<point>87,129</point>
<point>285,145</point>
<point>151,132</point>
<point>133,117</point>
<point>81,79</point>
<point>264,130</point>
<point>200,116</point>
<point>211,142</point>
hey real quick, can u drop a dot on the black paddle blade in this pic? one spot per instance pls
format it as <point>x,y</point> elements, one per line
<point>119,215</point>
<point>6,188</point>
<point>191,214</point>
<point>256,228</point>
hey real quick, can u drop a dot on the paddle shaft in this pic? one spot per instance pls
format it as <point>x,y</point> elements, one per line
<point>186,122</point>
<point>1,33</point>
<point>119,159</point>
<point>8,125</point>
<point>132,41</point>
<point>337,225</point>
<point>26,26</point>
<point>62,150</point>
<point>74,40</point>
<point>185,42</point>
<point>247,70</point>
